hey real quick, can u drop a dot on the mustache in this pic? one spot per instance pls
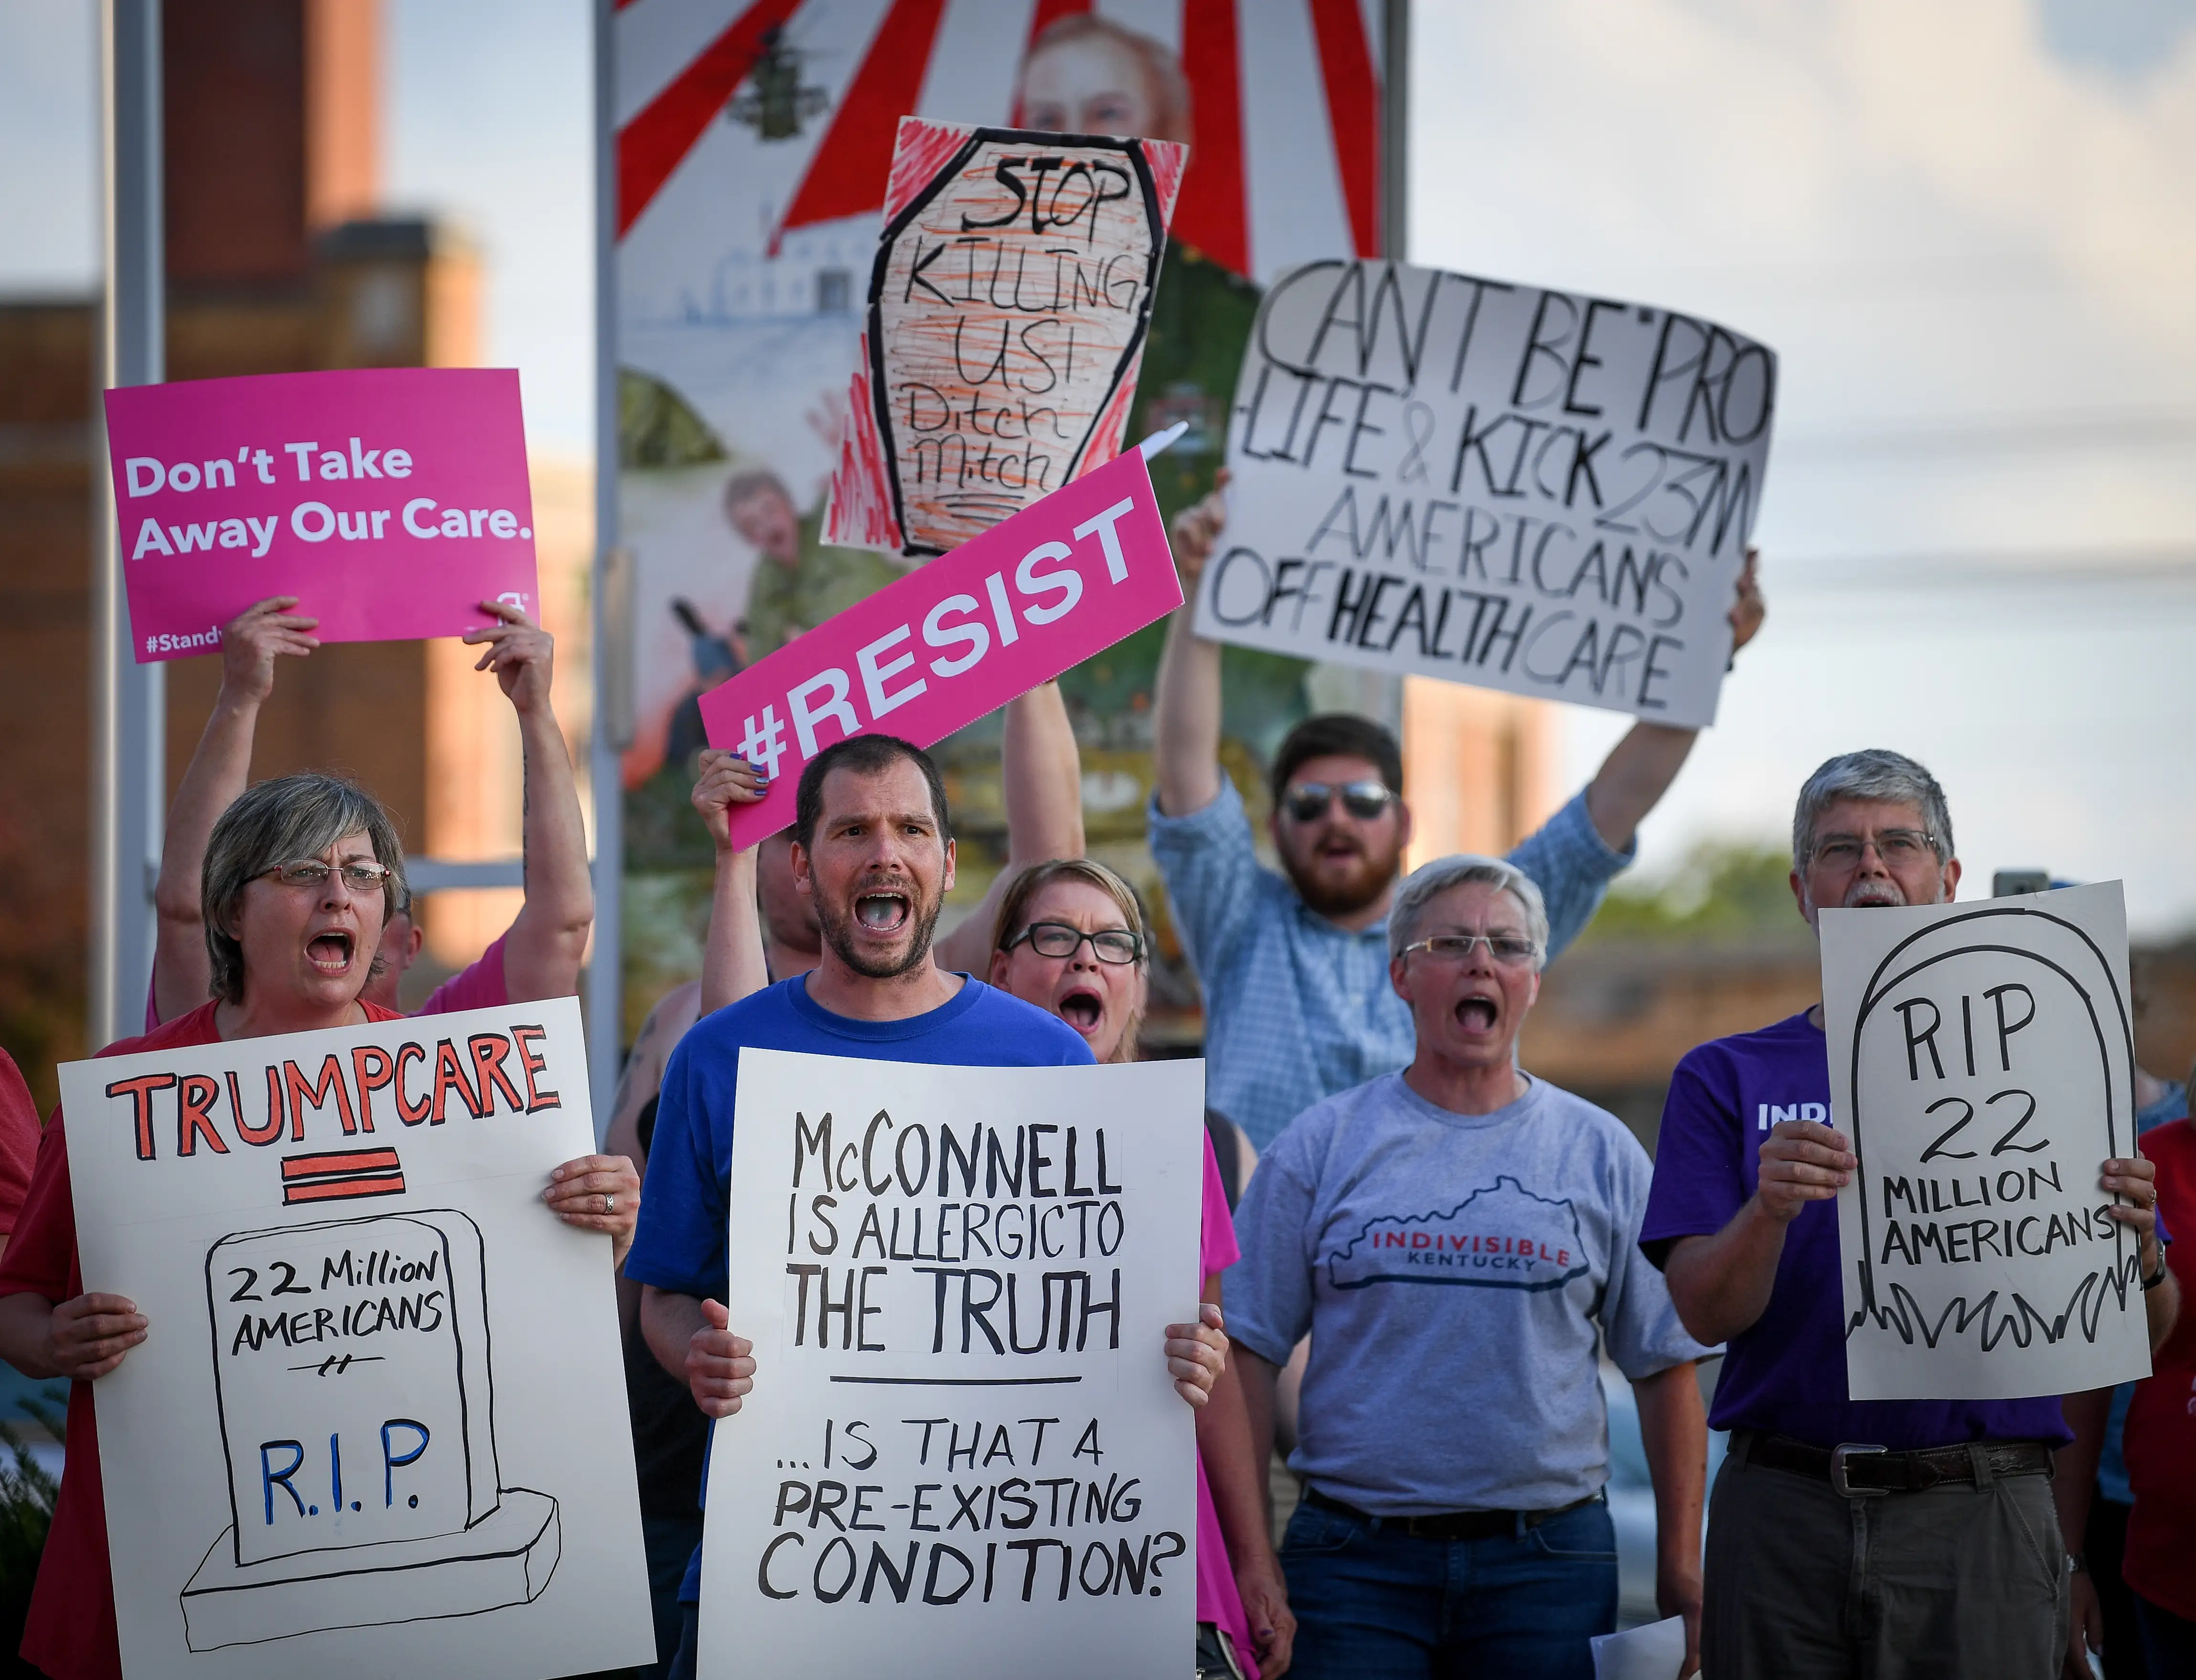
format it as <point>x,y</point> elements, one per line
<point>1872,894</point>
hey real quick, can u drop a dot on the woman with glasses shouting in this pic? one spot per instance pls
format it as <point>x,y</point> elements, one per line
<point>1070,937</point>
<point>301,874</point>
<point>1458,1239</point>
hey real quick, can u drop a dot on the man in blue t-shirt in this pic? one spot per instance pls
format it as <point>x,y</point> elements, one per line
<point>873,849</point>
<point>1824,1558</point>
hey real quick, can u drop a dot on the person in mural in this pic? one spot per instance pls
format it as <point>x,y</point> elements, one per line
<point>799,580</point>
<point>1935,1548</point>
<point>1293,965</point>
<point>301,875</point>
<point>538,956</point>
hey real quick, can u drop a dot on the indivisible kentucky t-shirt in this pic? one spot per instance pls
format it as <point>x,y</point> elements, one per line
<point>1787,1373</point>
<point>686,1202</point>
<point>1451,1270</point>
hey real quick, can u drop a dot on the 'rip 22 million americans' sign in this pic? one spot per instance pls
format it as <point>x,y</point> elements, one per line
<point>1492,483</point>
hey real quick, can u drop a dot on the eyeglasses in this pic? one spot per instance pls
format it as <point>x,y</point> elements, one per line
<point>360,878</point>
<point>1896,847</point>
<point>1115,945</point>
<point>1308,801</point>
<point>1506,949</point>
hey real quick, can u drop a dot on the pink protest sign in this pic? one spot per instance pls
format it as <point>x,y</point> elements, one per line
<point>1060,582</point>
<point>391,501</point>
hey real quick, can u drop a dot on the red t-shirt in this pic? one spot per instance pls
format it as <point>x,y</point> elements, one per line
<point>18,1142</point>
<point>70,1632</point>
<point>2161,1426</point>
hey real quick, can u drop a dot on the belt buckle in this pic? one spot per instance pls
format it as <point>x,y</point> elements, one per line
<point>1840,1483</point>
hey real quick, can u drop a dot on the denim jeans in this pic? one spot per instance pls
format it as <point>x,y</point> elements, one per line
<point>1374,1603</point>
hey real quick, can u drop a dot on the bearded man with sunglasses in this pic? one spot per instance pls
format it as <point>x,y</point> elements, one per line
<point>1877,1538</point>
<point>1293,965</point>
<point>1456,1240</point>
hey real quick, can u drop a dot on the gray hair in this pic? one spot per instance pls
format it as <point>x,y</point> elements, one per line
<point>1429,881</point>
<point>277,821</point>
<point>1876,774</point>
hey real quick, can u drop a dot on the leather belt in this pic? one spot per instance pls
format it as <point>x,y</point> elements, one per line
<point>1447,1525</point>
<point>1858,1469</point>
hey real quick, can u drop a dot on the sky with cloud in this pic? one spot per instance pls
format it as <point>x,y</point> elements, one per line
<point>1968,228</point>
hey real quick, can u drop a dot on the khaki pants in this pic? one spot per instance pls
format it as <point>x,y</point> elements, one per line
<point>1959,1580</point>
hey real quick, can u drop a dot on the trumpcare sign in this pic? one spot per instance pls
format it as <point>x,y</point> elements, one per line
<point>1497,484</point>
<point>962,1454</point>
<point>391,501</point>
<point>1982,1062</point>
<point>376,1425</point>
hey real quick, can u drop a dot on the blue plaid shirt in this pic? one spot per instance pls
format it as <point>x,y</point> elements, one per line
<point>1296,1008</point>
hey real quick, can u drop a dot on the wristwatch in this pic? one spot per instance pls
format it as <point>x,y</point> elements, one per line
<point>2154,1280</point>
<point>2077,1564</point>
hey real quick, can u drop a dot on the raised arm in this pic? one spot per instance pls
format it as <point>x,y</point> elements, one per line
<point>732,962</point>
<point>1043,776</point>
<point>1639,770</point>
<point>546,945</point>
<point>1185,709</point>
<point>251,643</point>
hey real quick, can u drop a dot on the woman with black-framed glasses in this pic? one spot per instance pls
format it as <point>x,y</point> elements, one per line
<point>1070,937</point>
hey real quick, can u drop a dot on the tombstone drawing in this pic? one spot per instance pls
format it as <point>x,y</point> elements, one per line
<point>1990,1070</point>
<point>353,1376</point>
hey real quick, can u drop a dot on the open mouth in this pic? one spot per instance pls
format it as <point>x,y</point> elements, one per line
<point>1081,1009</point>
<point>1477,1014</point>
<point>330,952</point>
<point>882,913</point>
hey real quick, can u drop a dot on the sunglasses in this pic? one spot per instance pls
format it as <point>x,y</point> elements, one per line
<point>1115,945</point>
<point>1309,801</point>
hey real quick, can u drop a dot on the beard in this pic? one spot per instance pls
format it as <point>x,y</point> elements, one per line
<point>1874,894</point>
<point>1331,894</point>
<point>922,921</point>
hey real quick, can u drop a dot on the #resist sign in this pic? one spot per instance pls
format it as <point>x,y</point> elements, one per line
<point>957,639</point>
<point>378,1425</point>
<point>1008,311</point>
<point>1982,1062</point>
<point>962,1453</point>
<point>391,501</point>
<point>1498,484</point>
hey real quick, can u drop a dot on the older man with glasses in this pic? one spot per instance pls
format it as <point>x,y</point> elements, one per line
<point>1931,1544</point>
<point>1458,1239</point>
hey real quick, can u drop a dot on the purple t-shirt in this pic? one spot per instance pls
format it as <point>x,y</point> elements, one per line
<point>1786,1375</point>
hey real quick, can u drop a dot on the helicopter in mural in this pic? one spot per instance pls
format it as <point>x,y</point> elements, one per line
<point>773,101</point>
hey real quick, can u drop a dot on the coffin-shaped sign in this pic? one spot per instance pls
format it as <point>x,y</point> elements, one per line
<point>1008,311</point>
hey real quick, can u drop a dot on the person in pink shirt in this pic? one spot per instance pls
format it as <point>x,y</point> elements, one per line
<point>1070,937</point>
<point>539,955</point>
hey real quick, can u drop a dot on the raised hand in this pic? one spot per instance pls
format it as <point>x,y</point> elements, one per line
<point>1195,531</point>
<point>256,638</point>
<point>519,651</point>
<point>726,780</point>
<point>1747,611</point>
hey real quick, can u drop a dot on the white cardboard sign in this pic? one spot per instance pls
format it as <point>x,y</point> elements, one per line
<point>962,1454</point>
<point>378,1425</point>
<point>1498,484</point>
<point>1982,1062</point>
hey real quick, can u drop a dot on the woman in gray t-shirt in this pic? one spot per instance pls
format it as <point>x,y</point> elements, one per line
<point>1458,1239</point>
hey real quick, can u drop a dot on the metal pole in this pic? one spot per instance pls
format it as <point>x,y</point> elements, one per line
<point>129,700</point>
<point>605,971</point>
<point>1395,132</point>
